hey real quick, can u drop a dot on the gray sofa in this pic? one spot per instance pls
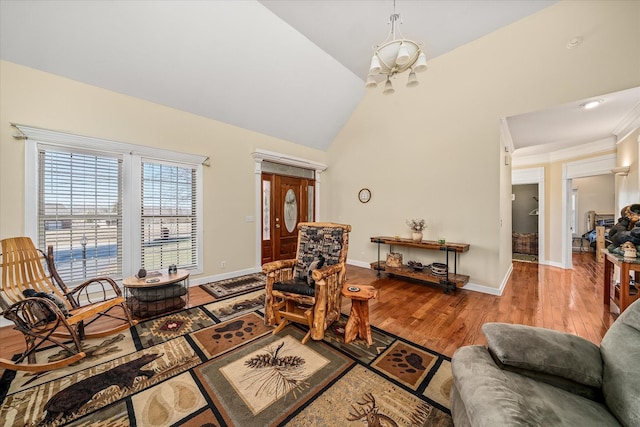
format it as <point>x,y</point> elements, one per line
<point>528,376</point>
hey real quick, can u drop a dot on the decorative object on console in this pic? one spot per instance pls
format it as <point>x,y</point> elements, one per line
<point>629,232</point>
<point>394,259</point>
<point>416,225</point>
<point>629,250</point>
<point>417,266</point>
<point>393,56</point>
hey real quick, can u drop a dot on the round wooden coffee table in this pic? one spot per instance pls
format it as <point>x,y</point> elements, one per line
<point>358,323</point>
<point>156,293</point>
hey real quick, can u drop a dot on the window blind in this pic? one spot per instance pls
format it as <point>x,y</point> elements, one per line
<point>80,213</point>
<point>168,216</point>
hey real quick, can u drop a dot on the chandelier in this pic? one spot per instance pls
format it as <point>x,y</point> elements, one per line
<point>393,56</point>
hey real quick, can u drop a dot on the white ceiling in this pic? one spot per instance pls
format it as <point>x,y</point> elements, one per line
<point>569,125</point>
<point>286,68</point>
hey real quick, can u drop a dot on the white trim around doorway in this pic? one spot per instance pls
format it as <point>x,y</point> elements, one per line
<point>263,155</point>
<point>593,166</point>
<point>534,176</point>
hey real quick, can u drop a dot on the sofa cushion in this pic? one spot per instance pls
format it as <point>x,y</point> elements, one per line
<point>620,349</point>
<point>545,354</point>
<point>495,397</point>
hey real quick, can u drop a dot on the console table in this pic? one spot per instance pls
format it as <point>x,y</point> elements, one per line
<point>449,281</point>
<point>619,296</point>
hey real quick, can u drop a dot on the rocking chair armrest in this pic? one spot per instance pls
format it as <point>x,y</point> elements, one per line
<point>324,272</point>
<point>73,294</point>
<point>16,312</point>
<point>270,267</point>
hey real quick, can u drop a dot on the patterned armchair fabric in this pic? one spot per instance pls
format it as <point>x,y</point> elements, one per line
<point>307,289</point>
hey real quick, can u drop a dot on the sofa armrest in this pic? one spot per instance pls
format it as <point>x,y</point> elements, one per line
<point>545,354</point>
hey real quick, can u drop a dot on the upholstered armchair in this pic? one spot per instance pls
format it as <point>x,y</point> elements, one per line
<point>529,376</point>
<point>307,289</point>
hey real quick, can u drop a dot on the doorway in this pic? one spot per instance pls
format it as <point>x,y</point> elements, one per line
<point>524,221</point>
<point>286,201</point>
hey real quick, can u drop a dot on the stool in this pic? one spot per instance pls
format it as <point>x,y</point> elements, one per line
<point>358,323</point>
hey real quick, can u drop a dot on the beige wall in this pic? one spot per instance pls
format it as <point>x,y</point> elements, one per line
<point>44,100</point>
<point>595,193</point>
<point>431,152</point>
<point>434,151</point>
<point>628,187</point>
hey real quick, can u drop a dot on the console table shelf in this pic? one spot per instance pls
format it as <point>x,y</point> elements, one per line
<point>450,281</point>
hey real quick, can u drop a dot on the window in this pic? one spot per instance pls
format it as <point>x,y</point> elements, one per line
<point>109,208</point>
<point>169,220</point>
<point>80,213</point>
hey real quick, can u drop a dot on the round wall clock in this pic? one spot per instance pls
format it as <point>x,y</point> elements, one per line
<point>364,195</point>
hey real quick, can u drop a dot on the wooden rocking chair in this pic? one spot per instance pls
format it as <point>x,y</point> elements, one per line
<point>299,290</point>
<point>53,315</point>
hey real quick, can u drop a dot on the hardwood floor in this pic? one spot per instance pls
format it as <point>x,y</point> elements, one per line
<point>536,295</point>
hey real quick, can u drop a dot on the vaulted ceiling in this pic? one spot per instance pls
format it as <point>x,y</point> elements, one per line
<point>291,69</point>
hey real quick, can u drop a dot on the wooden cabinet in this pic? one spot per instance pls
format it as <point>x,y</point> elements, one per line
<point>450,281</point>
<point>619,295</point>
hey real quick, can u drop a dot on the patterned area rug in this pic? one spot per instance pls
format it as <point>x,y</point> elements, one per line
<point>190,368</point>
<point>236,285</point>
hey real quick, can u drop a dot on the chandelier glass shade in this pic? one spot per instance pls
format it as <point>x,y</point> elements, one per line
<point>395,56</point>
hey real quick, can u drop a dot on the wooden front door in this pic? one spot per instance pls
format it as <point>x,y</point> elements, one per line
<point>286,201</point>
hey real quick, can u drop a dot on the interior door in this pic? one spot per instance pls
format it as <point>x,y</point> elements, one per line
<point>290,201</point>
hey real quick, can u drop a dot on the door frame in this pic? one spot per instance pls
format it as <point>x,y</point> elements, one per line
<point>263,155</point>
<point>534,176</point>
<point>600,165</point>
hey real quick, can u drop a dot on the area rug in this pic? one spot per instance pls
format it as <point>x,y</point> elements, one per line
<point>235,285</point>
<point>189,368</point>
<point>524,258</point>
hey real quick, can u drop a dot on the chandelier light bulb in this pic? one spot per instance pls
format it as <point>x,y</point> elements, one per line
<point>421,63</point>
<point>388,88</point>
<point>375,65</point>
<point>412,81</point>
<point>403,55</point>
<point>371,82</point>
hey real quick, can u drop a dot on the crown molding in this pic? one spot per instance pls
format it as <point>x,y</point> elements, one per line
<point>587,149</point>
<point>628,124</point>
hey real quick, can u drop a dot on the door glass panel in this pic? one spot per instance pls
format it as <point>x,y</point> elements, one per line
<point>290,210</point>
<point>266,210</point>
<point>310,200</point>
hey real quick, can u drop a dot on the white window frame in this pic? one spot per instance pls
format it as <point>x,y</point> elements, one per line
<point>132,155</point>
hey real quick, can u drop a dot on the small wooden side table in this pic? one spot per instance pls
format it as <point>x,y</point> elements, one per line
<point>160,297</point>
<point>358,324</point>
<point>619,296</point>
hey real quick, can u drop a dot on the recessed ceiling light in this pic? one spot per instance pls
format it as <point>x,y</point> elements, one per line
<point>591,104</point>
<point>574,42</point>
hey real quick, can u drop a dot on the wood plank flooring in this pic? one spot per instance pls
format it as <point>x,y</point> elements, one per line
<point>536,295</point>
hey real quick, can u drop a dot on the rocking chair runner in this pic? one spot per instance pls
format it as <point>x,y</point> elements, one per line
<point>307,289</point>
<point>42,318</point>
